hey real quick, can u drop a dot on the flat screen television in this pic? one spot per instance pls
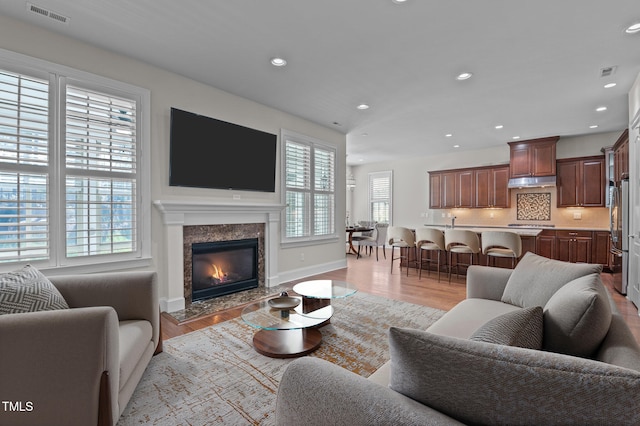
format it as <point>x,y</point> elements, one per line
<point>210,153</point>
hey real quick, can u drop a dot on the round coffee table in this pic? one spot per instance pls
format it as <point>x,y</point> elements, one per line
<point>285,333</point>
<point>317,294</point>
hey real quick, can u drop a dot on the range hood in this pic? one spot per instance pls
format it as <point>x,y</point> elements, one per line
<point>532,182</point>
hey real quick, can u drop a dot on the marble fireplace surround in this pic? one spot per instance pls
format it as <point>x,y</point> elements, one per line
<point>178,214</point>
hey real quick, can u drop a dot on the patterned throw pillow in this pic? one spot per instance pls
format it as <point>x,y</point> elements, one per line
<point>521,328</point>
<point>27,290</point>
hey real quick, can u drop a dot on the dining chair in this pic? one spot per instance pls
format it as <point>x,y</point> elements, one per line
<point>378,239</point>
<point>502,244</point>
<point>461,241</point>
<point>404,239</point>
<point>365,235</point>
<point>429,240</point>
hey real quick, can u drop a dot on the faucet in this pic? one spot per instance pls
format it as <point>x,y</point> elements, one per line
<point>453,222</point>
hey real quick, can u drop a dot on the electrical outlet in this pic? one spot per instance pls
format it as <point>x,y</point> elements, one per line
<point>442,214</point>
<point>301,257</point>
<point>577,215</point>
<point>491,215</point>
<point>236,196</point>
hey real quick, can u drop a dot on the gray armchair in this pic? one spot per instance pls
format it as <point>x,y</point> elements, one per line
<point>80,366</point>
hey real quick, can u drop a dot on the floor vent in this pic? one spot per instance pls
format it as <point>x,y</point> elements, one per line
<point>47,13</point>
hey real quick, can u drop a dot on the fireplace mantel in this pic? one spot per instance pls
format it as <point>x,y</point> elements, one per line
<point>176,214</point>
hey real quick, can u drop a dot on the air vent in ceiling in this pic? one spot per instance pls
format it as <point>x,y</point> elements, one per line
<point>47,13</point>
<point>608,71</point>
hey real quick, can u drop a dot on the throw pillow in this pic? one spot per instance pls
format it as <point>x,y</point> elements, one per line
<point>521,328</point>
<point>28,290</point>
<point>535,279</point>
<point>577,317</point>
<point>481,383</point>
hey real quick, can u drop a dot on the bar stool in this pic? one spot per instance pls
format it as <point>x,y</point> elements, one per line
<point>429,239</point>
<point>502,244</point>
<point>460,241</point>
<point>403,238</point>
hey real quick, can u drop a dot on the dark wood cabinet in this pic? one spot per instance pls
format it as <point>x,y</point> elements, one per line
<point>621,157</point>
<point>480,187</point>
<point>546,244</point>
<point>535,157</point>
<point>491,187</point>
<point>601,248</point>
<point>574,246</point>
<point>581,182</point>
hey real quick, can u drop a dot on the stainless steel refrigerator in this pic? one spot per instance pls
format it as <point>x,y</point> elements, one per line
<point>619,223</point>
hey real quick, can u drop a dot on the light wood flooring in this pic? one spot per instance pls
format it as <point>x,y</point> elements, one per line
<point>374,277</point>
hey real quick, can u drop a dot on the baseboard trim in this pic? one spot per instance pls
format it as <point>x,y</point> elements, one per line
<point>297,274</point>
<point>172,305</point>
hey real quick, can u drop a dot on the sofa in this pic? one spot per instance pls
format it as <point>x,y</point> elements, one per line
<point>76,357</point>
<point>540,344</point>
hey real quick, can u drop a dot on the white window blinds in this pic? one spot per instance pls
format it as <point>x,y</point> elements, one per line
<point>380,199</point>
<point>24,168</point>
<point>309,190</point>
<point>100,183</point>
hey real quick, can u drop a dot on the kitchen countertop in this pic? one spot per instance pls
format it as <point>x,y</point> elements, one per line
<point>520,230</point>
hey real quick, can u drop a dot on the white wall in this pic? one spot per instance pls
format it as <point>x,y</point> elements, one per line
<point>411,181</point>
<point>171,90</point>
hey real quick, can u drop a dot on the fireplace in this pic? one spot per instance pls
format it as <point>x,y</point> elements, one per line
<point>223,267</point>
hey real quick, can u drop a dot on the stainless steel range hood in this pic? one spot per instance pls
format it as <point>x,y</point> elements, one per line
<point>532,182</point>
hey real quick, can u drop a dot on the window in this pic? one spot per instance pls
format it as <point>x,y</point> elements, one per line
<point>380,203</point>
<point>309,189</point>
<point>71,175</point>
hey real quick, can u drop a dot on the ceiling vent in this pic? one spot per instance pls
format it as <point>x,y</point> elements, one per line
<point>47,13</point>
<point>608,71</point>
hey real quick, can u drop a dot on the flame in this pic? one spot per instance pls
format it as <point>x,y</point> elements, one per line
<point>217,272</point>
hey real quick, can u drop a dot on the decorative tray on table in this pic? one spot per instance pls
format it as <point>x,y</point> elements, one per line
<point>284,302</point>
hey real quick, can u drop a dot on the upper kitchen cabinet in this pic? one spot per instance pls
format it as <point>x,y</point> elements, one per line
<point>491,187</point>
<point>621,157</point>
<point>456,189</point>
<point>581,182</point>
<point>534,157</point>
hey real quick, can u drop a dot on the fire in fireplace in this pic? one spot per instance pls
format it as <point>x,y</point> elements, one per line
<point>223,267</point>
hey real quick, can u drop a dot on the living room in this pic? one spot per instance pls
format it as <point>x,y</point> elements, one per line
<point>26,43</point>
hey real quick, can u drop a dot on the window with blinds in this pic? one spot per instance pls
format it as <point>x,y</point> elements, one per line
<point>69,168</point>
<point>309,189</point>
<point>380,199</point>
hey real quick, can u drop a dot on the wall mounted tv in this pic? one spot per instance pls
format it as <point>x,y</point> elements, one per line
<point>210,153</point>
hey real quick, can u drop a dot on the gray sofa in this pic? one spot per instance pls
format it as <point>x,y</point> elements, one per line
<point>542,344</point>
<point>79,364</point>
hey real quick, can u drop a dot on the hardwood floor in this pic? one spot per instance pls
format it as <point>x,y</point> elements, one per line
<point>374,278</point>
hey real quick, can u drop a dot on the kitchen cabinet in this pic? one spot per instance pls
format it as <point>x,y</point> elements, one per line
<point>574,246</point>
<point>621,157</point>
<point>581,182</point>
<point>601,248</point>
<point>535,157</point>
<point>546,243</point>
<point>491,187</point>
<point>479,187</point>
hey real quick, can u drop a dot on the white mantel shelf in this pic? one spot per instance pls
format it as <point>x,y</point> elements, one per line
<point>177,214</point>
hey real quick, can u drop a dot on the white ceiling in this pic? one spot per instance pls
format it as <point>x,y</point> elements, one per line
<point>536,64</point>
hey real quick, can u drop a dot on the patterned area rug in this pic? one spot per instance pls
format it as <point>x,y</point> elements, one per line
<point>214,376</point>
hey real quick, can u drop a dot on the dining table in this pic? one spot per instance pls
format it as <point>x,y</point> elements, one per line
<point>350,230</point>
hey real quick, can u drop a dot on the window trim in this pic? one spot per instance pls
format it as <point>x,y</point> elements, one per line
<point>314,143</point>
<point>56,74</point>
<point>373,175</point>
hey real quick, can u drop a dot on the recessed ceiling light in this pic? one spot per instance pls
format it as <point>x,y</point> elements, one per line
<point>632,29</point>
<point>601,108</point>
<point>609,85</point>
<point>464,76</point>
<point>448,135</point>
<point>456,146</point>
<point>278,62</point>
<point>361,159</point>
<point>363,106</point>
<point>399,1</point>
<point>593,126</point>
<point>364,134</point>
<point>515,137</point>
<point>499,126</point>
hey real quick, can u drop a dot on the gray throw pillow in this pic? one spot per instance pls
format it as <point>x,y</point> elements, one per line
<point>480,383</point>
<point>28,290</point>
<point>577,317</point>
<point>535,279</point>
<point>521,328</point>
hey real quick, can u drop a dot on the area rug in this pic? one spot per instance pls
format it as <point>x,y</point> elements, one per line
<point>214,376</point>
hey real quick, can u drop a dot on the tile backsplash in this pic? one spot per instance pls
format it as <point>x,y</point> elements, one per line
<point>533,206</point>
